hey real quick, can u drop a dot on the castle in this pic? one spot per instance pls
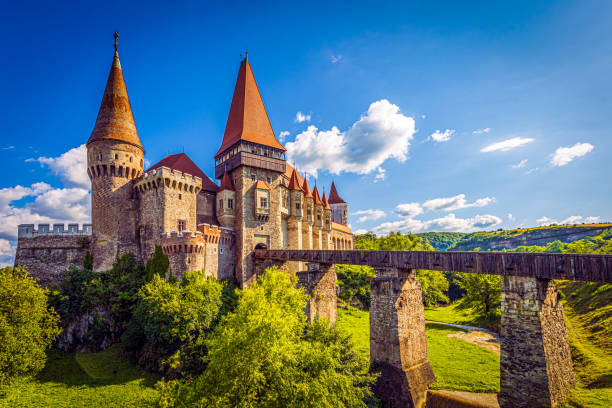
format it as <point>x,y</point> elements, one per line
<point>261,199</point>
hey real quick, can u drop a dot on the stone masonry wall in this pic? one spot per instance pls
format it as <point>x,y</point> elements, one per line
<point>398,346</point>
<point>536,364</point>
<point>249,230</point>
<point>320,283</point>
<point>46,257</point>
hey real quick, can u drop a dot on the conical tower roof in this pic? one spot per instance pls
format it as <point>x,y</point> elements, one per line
<point>248,119</point>
<point>306,189</point>
<point>115,119</point>
<point>317,197</point>
<point>334,198</point>
<point>226,183</point>
<point>294,183</point>
<point>325,202</point>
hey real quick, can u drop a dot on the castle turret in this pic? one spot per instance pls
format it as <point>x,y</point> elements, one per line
<point>326,231</point>
<point>226,198</point>
<point>317,238</point>
<point>115,156</point>
<point>309,213</point>
<point>255,161</point>
<point>338,206</point>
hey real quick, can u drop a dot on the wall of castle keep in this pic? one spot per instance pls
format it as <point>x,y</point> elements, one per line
<point>250,230</point>
<point>46,257</point>
<point>205,208</point>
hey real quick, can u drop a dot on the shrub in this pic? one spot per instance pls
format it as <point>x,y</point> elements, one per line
<point>27,325</point>
<point>263,354</point>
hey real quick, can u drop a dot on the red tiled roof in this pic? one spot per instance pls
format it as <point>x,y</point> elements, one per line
<point>248,119</point>
<point>334,198</point>
<point>306,189</point>
<point>182,162</point>
<point>317,197</point>
<point>325,203</point>
<point>294,184</point>
<point>262,185</point>
<point>289,170</point>
<point>341,227</point>
<point>226,183</point>
<point>115,120</point>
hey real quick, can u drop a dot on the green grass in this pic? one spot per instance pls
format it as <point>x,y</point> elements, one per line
<point>455,313</point>
<point>105,379</point>
<point>457,364</point>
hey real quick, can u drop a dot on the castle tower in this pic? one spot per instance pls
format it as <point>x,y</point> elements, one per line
<point>338,206</point>
<point>317,238</point>
<point>309,214</point>
<point>326,231</point>
<point>226,198</point>
<point>115,156</point>
<point>254,160</point>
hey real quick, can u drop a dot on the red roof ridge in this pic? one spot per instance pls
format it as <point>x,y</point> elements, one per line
<point>115,120</point>
<point>262,185</point>
<point>334,198</point>
<point>182,162</point>
<point>325,202</point>
<point>248,119</point>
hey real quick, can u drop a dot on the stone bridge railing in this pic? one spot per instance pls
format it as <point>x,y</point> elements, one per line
<point>536,364</point>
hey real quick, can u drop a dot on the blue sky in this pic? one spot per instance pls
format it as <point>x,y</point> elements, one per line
<point>404,103</point>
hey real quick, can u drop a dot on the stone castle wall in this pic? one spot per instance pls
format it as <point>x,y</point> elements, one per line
<point>46,257</point>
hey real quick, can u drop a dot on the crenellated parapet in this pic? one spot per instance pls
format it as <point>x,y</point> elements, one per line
<point>168,178</point>
<point>185,250</point>
<point>29,230</point>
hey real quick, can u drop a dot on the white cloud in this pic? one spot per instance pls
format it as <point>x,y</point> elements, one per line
<point>423,116</point>
<point>300,117</point>
<point>520,165</point>
<point>507,144</point>
<point>381,174</point>
<point>370,214</point>
<point>481,131</point>
<point>8,147</point>
<point>455,203</point>
<point>510,217</point>
<point>361,231</point>
<point>447,223</point>
<point>71,166</point>
<point>382,133</point>
<point>564,155</point>
<point>408,210</point>
<point>335,58</point>
<point>7,253</point>
<point>282,135</point>
<point>573,219</point>
<point>445,136</point>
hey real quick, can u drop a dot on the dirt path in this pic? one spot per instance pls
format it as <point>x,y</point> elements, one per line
<point>475,335</point>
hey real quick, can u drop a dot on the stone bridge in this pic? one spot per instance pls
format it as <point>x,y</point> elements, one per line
<point>536,364</point>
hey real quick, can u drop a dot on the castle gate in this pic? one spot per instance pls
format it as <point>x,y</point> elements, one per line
<point>536,365</point>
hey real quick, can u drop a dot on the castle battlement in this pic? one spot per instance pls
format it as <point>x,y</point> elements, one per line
<point>170,178</point>
<point>28,230</point>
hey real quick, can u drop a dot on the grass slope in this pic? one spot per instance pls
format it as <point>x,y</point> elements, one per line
<point>458,365</point>
<point>105,379</point>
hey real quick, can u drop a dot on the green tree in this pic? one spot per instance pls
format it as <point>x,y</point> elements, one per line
<point>157,265</point>
<point>482,294</point>
<point>27,325</point>
<point>263,354</point>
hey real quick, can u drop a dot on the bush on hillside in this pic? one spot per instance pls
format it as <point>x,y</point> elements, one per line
<point>264,354</point>
<point>27,325</point>
<point>171,317</point>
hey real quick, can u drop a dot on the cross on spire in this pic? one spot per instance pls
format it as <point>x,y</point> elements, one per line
<point>116,36</point>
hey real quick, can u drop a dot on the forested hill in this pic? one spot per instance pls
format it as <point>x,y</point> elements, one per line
<point>511,239</point>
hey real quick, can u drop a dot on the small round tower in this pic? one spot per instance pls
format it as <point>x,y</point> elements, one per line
<point>115,156</point>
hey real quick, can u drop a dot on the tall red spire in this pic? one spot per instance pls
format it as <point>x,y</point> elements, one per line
<point>115,119</point>
<point>294,183</point>
<point>317,197</point>
<point>334,198</point>
<point>306,189</point>
<point>226,183</point>
<point>248,119</point>
<point>325,202</point>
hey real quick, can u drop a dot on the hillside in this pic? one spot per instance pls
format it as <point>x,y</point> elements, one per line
<point>511,239</point>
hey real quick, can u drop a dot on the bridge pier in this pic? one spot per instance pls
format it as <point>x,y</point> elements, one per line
<point>398,346</point>
<point>320,283</point>
<point>536,364</point>
<point>260,267</point>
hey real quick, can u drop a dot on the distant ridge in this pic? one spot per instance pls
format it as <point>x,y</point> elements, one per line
<point>511,239</point>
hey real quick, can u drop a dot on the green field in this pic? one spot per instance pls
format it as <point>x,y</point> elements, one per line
<point>105,379</point>
<point>458,365</point>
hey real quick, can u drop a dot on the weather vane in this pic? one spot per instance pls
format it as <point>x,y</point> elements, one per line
<point>116,36</point>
